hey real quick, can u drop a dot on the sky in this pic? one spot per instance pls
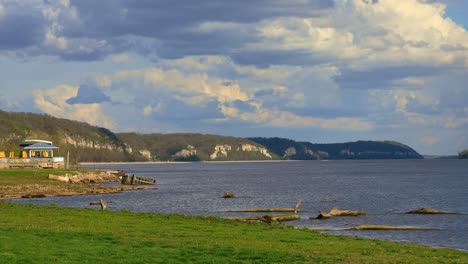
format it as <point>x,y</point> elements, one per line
<point>320,71</point>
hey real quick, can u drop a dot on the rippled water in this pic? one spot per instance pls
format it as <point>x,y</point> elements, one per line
<point>384,189</point>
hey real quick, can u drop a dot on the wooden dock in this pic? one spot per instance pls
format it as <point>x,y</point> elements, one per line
<point>137,180</point>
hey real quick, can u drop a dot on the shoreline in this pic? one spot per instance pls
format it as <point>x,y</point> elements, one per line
<point>24,184</point>
<point>182,162</point>
<point>85,189</point>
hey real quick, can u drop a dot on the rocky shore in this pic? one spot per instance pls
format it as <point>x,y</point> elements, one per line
<point>74,183</point>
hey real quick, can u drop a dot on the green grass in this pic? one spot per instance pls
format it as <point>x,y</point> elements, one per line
<point>31,176</point>
<point>38,234</point>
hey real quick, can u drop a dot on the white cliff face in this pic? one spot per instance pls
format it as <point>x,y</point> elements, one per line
<point>128,148</point>
<point>223,150</point>
<point>220,150</point>
<point>185,153</point>
<point>83,143</point>
<point>291,151</point>
<point>347,152</point>
<point>145,153</point>
<point>250,148</point>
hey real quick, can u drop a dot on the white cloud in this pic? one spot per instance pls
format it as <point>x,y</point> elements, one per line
<point>119,58</point>
<point>175,79</point>
<point>54,41</point>
<point>364,33</point>
<point>277,118</point>
<point>54,102</point>
<point>2,10</point>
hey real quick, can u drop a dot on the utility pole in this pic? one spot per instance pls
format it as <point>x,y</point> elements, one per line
<point>68,160</point>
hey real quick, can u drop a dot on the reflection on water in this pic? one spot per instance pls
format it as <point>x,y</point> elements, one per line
<point>384,189</point>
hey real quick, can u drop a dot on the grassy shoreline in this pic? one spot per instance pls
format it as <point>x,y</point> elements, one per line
<point>51,234</point>
<point>47,234</point>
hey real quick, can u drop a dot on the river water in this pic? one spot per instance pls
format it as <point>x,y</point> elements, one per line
<point>384,189</point>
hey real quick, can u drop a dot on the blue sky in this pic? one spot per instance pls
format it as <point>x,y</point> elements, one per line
<point>309,70</point>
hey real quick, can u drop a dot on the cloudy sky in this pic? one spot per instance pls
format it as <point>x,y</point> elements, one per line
<point>310,70</point>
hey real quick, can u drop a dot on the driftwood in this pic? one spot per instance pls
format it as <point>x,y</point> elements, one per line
<point>268,218</point>
<point>386,227</point>
<point>39,195</point>
<point>429,211</point>
<point>101,203</point>
<point>337,212</point>
<point>98,202</point>
<point>228,195</point>
<point>294,210</point>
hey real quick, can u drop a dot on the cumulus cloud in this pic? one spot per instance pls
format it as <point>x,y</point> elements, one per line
<point>183,88</point>
<point>352,65</point>
<point>53,101</point>
<point>88,95</point>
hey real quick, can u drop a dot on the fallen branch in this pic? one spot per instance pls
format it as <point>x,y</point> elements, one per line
<point>295,210</point>
<point>334,212</point>
<point>429,211</point>
<point>385,227</point>
<point>268,218</point>
<point>103,204</point>
<point>97,202</point>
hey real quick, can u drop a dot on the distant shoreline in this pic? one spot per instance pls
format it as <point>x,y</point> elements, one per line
<point>181,162</point>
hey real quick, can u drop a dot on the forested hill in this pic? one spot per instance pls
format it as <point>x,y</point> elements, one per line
<point>83,141</point>
<point>289,149</point>
<point>195,147</point>
<point>96,144</point>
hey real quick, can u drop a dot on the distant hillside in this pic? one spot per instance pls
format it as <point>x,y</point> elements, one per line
<point>463,154</point>
<point>96,144</point>
<point>289,149</point>
<point>195,147</point>
<point>85,142</point>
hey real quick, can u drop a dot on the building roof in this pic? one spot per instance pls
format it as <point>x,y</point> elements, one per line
<point>40,146</point>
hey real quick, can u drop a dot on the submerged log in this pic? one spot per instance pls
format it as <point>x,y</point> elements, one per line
<point>429,211</point>
<point>294,210</point>
<point>386,227</point>
<point>228,195</point>
<point>268,218</point>
<point>265,210</point>
<point>103,204</point>
<point>334,212</point>
<point>97,202</point>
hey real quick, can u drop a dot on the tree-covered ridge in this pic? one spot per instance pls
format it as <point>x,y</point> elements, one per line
<point>97,144</point>
<point>463,154</point>
<point>290,149</point>
<point>197,146</point>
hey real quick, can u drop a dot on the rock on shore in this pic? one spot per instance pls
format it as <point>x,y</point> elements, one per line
<point>88,177</point>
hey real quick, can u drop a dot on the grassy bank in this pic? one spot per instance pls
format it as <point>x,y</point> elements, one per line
<point>37,234</point>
